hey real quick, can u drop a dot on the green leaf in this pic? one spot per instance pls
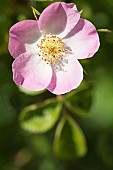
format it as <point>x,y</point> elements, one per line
<point>40,118</point>
<point>29,92</point>
<point>79,101</point>
<point>35,12</point>
<point>69,139</point>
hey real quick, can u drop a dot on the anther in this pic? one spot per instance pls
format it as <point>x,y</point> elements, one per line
<point>51,48</point>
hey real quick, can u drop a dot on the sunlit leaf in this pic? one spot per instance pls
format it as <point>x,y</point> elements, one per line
<point>69,139</point>
<point>40,118</point>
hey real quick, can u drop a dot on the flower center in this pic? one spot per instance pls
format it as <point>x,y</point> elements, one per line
<point>51,49</point>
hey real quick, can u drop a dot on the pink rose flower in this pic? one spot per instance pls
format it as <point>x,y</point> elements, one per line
<point>47,51</point>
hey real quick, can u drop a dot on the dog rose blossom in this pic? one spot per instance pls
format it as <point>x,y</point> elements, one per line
<point>47,51</point>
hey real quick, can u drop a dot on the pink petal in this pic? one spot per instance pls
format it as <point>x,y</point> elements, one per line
<point>23,37</point>
<point>66,78</point>
<point>31,72</point>
<point>83,40</point>
<point>59,17</point>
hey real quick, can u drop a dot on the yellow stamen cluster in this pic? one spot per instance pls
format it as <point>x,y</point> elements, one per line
<point>51,48</point>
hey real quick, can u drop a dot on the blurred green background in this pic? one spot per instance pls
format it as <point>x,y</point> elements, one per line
<point>91,105</point>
